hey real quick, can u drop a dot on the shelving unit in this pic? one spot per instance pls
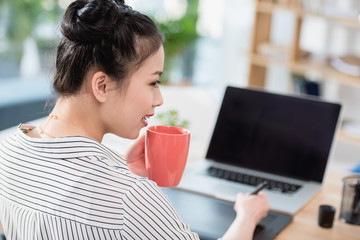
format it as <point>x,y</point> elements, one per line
<point>300,66</point>
<point>294,60</point>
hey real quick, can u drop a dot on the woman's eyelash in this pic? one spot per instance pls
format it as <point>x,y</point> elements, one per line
<point>156,83</point>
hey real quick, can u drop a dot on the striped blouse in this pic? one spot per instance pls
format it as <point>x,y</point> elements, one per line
<point>76,188</point>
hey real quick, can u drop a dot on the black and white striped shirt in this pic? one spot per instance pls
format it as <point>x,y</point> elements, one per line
<point>76,188</point>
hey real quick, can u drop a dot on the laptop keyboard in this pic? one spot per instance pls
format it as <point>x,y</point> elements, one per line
<point>274,185</point>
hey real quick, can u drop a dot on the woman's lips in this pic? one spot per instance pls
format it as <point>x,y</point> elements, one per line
<point>145,119</point>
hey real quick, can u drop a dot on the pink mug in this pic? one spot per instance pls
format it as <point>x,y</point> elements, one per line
<point>166,151</point>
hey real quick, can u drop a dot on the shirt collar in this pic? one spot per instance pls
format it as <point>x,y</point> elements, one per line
<point>64,147</point>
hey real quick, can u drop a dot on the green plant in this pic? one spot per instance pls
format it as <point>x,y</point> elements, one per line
<point>179,35</point>
<point>171,118</point>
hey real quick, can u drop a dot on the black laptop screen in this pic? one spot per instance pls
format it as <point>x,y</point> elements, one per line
<point>285,135</point>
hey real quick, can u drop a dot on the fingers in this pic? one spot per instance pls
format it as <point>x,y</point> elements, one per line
<point>140,142</point>
<point>135,157</point>
<point>137,149</point>
<point>253,206</point>
<point>141,139</point>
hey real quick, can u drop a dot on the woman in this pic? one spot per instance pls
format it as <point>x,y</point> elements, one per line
<point>57,180</point>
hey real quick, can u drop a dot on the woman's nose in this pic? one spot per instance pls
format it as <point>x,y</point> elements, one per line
<point>158,99</point>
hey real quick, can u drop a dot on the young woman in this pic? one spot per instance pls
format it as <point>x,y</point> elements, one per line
<point>57,181</point>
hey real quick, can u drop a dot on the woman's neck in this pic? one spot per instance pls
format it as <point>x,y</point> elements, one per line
<point>72,116</point>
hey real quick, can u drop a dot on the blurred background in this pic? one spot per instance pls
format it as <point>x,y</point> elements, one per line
<point>206,44</point>
<point>209,44</point>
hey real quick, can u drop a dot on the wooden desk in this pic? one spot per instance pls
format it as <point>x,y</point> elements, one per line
<point>305,222</point>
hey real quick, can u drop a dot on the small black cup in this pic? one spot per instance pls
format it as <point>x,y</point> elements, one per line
<point>326,216</point>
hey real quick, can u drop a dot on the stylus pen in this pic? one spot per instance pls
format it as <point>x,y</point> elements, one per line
<point>259,188</point>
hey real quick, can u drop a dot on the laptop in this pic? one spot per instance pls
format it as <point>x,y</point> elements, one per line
<point>262,136</point>
<point>210,217</point>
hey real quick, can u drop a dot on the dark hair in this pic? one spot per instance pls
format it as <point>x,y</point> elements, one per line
<point>106,35</point>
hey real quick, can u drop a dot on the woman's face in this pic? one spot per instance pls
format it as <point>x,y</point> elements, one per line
<point>130,109</point>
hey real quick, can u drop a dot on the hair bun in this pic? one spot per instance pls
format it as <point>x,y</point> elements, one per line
<point>105,35</point>
<point>90,21</point>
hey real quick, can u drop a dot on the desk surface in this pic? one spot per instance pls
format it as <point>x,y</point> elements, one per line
<point>305,225</point>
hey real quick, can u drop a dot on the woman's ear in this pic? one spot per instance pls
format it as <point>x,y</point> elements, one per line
<point>100,86</point>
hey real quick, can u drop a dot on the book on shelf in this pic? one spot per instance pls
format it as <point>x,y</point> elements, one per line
<point>278,51</point>
<point>330,9</point>
<point>347,64</point>
<point>290,3</point>
<point>304,85</point>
